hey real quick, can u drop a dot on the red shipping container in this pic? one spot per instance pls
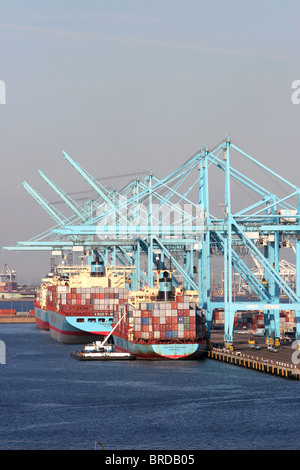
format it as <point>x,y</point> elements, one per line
<point>7,311</point>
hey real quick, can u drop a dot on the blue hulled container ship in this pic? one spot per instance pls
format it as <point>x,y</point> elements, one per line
<point>76,304</point>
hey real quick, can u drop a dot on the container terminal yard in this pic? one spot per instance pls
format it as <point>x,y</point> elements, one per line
<point>169,226</point>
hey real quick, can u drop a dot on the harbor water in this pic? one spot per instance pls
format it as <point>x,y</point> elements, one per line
<point>50,401</point>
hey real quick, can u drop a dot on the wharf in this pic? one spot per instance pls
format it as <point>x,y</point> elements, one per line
<point>281,363</point>
<point>17,318</point>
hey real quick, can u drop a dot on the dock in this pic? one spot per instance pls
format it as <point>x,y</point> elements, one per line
<point>19,318</point>
<point>281,363</point>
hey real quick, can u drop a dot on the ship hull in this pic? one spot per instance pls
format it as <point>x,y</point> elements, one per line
<point>41,318</point>
<point>162,351</point>
<point>77,329</point>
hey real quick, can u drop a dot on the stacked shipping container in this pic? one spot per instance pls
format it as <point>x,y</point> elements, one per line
<point>8,286</point>
<point>86,300</point>
<point>255,320</point>
<point>287,321</point>
<point>7,311</point>
<point>163,321</point>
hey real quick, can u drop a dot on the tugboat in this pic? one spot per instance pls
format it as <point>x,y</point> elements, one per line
<point>99,351</point>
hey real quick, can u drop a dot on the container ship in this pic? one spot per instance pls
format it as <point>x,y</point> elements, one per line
<point>76,303</point>
<point>161,325</point>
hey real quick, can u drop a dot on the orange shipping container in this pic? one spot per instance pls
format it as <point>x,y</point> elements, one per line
<point>7,311</point>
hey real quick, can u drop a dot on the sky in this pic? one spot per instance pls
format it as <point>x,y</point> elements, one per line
<point>131,86</point>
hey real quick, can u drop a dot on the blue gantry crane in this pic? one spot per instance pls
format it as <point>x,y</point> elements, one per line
<point>150,222</point>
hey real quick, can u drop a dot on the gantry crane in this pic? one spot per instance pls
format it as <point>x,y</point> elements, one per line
<point>171,219</point>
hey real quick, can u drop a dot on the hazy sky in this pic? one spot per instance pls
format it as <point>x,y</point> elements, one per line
<point>128,86</point>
